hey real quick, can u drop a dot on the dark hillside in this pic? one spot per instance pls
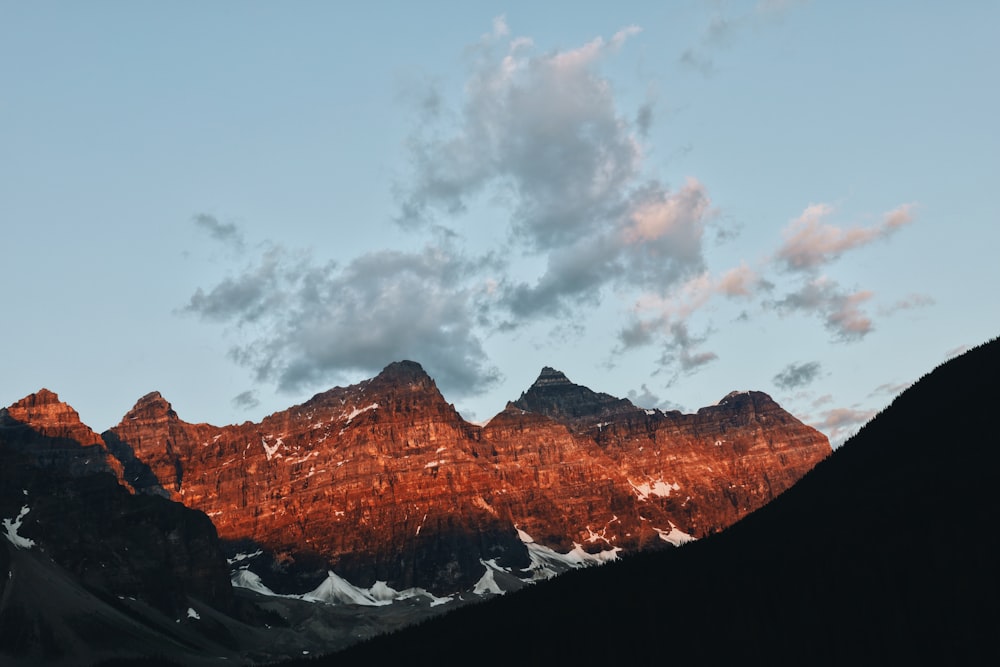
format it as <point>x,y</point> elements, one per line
<point>886,553</point>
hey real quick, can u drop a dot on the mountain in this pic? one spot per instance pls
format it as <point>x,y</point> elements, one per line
<point>383,481</point>
<point>884,553</point>
<point>365,509</point>
<point>88,569</point>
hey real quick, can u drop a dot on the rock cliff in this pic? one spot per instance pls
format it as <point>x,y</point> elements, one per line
<point>384,481</point>
<point>63,497</point>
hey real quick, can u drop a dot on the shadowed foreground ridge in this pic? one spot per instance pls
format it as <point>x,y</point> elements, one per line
<point>886,553</point>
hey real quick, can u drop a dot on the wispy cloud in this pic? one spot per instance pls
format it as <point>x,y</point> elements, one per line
<point>841,310</point>
<point>309,324</point>
<point>723,30</point>
<point>797,375</point>
<point>911,302</point>
<point>645,398</point>
<point>890,388</point>
<point>810,242</point>
<point>225,232</point>
<point>841,423</point>
<point>246,400</point>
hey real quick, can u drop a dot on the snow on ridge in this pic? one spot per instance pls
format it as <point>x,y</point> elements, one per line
<point>246,579</point>
<point>337,590</point>
<point>547,562</point>
<point>11,527</point>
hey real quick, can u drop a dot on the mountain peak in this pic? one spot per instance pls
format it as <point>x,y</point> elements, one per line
<point>405,370</point>
<point>44,412</point>
<point>555,396</point>
<point>41,397</point>
<point>550,377</point>
<point>152,405</point>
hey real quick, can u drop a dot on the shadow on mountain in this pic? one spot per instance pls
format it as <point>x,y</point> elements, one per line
<point>885,553</point>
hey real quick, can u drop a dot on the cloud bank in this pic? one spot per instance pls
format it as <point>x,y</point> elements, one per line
<point>540,138</point>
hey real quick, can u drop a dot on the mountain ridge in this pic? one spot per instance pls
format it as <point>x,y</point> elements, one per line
<point>384,480</point>
<point>880,554</point>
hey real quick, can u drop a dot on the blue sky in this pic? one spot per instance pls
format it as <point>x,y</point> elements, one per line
<point>240,204</point>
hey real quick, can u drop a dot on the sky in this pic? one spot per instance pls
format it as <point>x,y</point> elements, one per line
<point>242,204</point>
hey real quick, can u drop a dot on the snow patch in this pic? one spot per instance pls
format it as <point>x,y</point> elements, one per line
<point>656,488</point>
<point>193,614</point>
<point>244,556</point>
<point>675,535</point>
<point>357,411</point>
<point>547,562</point>
<point>488,583</point>
<point>435,464</point>
<point>11,527</point>
<point>336,589</point>
<point>246,579</point>
<point>270,451</point>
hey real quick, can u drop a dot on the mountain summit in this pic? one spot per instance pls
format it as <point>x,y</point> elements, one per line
<point>553,395</point>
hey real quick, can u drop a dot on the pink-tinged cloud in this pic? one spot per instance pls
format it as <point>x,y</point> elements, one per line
<point>811,242</point>
<point>840,423</point>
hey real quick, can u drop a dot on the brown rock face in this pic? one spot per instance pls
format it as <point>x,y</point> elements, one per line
<point>383,480</point>
<point>65,491</point>
<point>53,435</point>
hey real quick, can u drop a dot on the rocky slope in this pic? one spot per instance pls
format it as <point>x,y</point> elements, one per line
<point>73,531</point>
<point>384,481</point>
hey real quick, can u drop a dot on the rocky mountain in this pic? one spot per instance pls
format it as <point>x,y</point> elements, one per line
<point>884,553</point>
<point>383,481</point>
<point>86,564</point>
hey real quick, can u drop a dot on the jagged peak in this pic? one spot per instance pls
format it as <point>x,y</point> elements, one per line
<point>41,397</point>
<point>554,395</point>
<point>152,404</point>
<point>551,377</point>
<point>405,369</point>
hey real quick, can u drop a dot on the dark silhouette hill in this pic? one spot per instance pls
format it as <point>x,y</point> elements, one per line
<point>887,552</point>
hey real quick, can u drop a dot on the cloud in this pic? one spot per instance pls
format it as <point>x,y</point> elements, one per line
<point>810,242</point>
<point>227,233</point>
<point>246,400</point>
<point>909,303</point>
<point>722,30</point>
<point>797,375</point>
<point>890,388</point>
<point>841,423</point>
<point>840,310</point>
<point>647,399</point>
<point>314,324</point>
<point>956,351</point>
<point>664,319</point>
<point>544,134</point>
<point>822,400</point>
<point>543,130</point>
